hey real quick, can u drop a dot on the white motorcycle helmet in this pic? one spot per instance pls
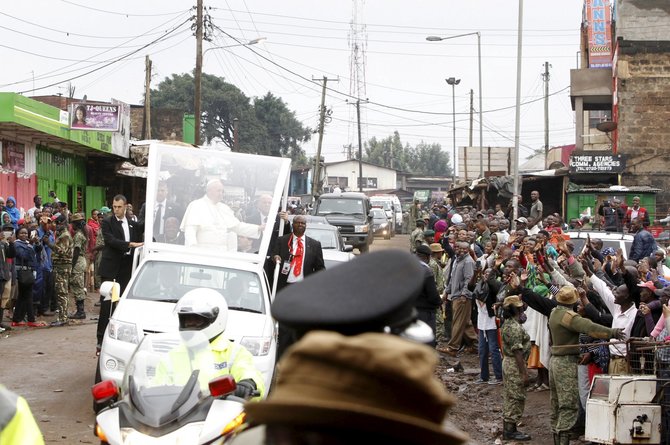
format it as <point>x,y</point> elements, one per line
<point>203,310</point>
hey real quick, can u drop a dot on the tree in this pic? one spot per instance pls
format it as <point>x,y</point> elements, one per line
<point>429,160</point>
<point>266,126</point>
<point>285,133</point>
<point>424,159</point>
<point>388,152</point>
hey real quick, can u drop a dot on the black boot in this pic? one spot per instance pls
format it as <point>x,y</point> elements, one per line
<point>564,438</point>
<point>80,314</point>
<point>510,432</point>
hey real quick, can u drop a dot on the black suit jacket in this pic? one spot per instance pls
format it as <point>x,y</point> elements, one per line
<point>114,254</point>
<point>169,211</point>
<point>255,217</point>
<point>313,261</point>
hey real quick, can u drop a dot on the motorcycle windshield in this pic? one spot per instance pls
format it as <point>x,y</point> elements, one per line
<point>168,375</point>
<point>212,202</point>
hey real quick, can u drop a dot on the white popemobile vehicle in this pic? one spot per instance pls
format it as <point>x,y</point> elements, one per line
<point>224,249</point>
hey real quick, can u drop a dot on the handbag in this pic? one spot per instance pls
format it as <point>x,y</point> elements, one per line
<point>25,276</point>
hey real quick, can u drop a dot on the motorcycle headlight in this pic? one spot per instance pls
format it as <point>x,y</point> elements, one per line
<point>257,345</point>
<point>123,331</point>
<point>363,228</point>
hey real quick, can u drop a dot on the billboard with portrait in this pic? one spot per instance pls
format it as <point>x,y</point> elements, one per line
<point>92,116</point>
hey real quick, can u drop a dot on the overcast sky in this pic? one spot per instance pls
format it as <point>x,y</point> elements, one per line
<point>54,40</point>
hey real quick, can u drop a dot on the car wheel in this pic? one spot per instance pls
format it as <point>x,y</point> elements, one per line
<point>364,248</point>
<point>388,235</point>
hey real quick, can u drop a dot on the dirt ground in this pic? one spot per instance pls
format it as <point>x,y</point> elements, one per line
<point>479,408</point>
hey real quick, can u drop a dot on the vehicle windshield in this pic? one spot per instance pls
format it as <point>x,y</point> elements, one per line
<point>167,375</point>
<point>614,244</point>
<point>343,206</point>
<point>327,236</point>
<point>386,205</point>
<point>378,214</point>
<point>169,281</point>
<point>207,199</point>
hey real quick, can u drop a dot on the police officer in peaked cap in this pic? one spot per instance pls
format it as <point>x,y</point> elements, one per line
<point>372,293</point>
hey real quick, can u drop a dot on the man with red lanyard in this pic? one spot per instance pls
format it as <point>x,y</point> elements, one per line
<point>299,256</point>
<point>635,211</point>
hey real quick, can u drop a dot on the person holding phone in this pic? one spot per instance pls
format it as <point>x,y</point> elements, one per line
<point>26,266</point>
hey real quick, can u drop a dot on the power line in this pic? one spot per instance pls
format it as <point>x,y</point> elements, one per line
<point>69,33</point>
<point>126,14</point>
<point>395,53</point>
<point>59,71</point>
<point>311,19</point>
<point>107,64</point>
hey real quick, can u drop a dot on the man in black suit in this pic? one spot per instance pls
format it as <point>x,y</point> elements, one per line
<point>299,256</point>
<point>163,210</point>
<point>121,237</point>
<point>259,215</point>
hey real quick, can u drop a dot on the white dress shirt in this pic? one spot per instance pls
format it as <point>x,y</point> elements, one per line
<point>294,247</point>
<point>622,320</point>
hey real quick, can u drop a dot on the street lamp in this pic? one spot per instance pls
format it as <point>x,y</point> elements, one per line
<point>250,42</point>
<point>453,82</point>
<point>197,106</point>
<point>479,61</point>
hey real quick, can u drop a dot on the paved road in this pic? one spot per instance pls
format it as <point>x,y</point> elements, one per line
<point>53,368</point>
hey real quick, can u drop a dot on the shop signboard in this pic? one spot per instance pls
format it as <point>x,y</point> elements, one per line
<point>94,116</point>
<point>596,162</point>
<point>421,195</point>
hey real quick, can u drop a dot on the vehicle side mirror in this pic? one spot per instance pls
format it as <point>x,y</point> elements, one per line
<point>348,248</point>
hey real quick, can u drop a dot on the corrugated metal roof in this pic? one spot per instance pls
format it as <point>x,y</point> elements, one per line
<point>632,188</point>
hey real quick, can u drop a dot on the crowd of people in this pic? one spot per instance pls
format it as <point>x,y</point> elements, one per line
<point>49,259</point>
<point>567,313</point>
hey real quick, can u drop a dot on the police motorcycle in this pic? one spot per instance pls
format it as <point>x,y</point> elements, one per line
<point>169,394</point>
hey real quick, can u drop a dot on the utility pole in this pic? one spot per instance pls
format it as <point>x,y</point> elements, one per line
<point>360,147</point>
<point>517,116</point>
<point>147,98</point>
<point>472,117</point>
<point>316,180</point>
<point>545,77</point>
<point>197,108</point>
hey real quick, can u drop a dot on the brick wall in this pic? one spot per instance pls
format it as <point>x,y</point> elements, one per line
<point>643,19</point>
<point>644,116</point>
<point>166,123</point>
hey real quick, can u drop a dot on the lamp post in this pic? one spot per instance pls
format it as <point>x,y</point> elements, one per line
<point>198,80</point>
<point>453,82</point>
<point>479,63</point>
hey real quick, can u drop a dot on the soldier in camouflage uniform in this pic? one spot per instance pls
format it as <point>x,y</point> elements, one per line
<point>77,278</point>
<point>437,268</point>
<point>516,349</point>
<point>416,237</point>
<point>565,325</point>
<point>61,257</point>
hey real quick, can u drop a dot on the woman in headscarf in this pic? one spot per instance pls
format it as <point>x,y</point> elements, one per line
<point>14,213</point>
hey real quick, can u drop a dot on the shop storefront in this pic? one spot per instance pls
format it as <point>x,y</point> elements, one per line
<point>40,153</point>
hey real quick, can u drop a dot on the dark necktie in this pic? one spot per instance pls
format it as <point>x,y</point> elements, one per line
<point>157,221</point>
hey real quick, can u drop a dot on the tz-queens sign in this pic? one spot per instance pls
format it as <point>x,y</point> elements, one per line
<point>597,162</point>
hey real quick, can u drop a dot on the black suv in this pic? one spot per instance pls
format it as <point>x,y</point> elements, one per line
<point>350,212</point>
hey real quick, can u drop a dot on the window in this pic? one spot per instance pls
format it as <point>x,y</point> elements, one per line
<point>598,116</point>
<point>368,182</point>
<point>341,181</point>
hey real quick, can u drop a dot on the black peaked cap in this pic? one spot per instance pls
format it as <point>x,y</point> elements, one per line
<point>372,291</point>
